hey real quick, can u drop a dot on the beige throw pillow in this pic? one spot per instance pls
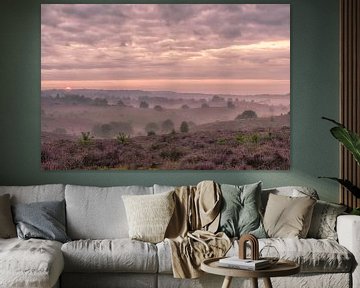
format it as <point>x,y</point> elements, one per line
<point>7,226</point>
<point>149,215</point>
<point>288,217</point>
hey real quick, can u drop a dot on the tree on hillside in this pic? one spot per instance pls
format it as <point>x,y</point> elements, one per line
<point>185,106</point>
<point>151,127</point>
<point>144,104</point>
<point>184,127</point>
<point>247,114</point>
<point>217,98</point>
<point>167,125</point>
<point>109,130</point>
<point>230,105</point>
<point>158,108</point>
<point>205,105</point>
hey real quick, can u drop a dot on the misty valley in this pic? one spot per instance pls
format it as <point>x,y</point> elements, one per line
<point>133,129</point>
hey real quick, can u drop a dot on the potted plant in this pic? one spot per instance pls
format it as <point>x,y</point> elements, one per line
<point>351,141</point>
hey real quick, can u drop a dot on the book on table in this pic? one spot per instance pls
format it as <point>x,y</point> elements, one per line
<point>236,262</point>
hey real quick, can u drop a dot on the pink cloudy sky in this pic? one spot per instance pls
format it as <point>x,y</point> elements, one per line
<point>237,49</point>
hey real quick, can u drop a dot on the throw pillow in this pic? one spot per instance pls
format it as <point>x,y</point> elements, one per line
<point>240,213</point>
<point>7,227</point>
<point>43,220</point>
<point>323,222</point>
<point>149,215</point>
<point>288,217</point>
<point>291,191</point>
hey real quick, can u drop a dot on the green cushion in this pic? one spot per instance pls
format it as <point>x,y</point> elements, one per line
<point>240,213</point>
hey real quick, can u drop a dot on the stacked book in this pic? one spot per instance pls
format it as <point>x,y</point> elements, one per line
<point>248,264</point>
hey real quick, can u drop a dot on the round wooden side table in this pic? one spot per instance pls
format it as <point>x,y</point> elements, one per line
<point>281,268</point>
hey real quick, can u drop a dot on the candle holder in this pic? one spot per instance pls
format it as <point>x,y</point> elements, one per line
<point>254,246</point>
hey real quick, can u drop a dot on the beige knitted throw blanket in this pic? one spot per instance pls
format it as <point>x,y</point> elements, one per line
<point>191,231</point>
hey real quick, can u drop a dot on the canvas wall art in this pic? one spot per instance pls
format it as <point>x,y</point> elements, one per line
<point>165,86</point>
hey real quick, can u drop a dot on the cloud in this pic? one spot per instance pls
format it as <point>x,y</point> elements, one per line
<point>150,41</point>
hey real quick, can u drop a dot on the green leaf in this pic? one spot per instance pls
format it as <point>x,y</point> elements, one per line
<point>347,184</point>
<point>333,121</point>
<point>349,139</point>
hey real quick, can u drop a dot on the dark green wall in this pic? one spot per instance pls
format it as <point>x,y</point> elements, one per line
<point>314,92</point>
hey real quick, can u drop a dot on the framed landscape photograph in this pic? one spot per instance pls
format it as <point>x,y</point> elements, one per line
<point>165,86</point>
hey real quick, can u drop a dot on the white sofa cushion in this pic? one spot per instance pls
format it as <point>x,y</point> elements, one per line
<point>98,213</point>
<point>29,194</point>
<point>164,257</point>
<point>348,229</point>
<point>30,263</point>
<point>313,255</point>
<point>117,255</point>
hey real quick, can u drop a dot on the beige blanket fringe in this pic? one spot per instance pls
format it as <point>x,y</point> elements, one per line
<point>191,231</point>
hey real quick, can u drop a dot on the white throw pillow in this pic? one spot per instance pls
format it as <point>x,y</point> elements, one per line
<point>149,215</point>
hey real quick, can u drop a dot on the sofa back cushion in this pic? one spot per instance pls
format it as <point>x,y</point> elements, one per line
<point>38,193</point>
<point>163,188</point>
<point>7,226</point>
<point>98,213</point>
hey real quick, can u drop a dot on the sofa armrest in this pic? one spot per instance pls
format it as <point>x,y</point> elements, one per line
<point>348,230</point>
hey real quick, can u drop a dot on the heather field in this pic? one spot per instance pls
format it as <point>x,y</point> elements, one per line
<point>259,148</point>
<point>125,130</point>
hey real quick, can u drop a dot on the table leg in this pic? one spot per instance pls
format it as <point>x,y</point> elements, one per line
<point>227,282</point>
<point>267,283</point>
<point>254,282</point>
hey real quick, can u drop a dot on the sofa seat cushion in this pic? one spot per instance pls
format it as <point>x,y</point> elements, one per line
<point>313,255</point>
<point>30,263</point>
<point>115,255</point>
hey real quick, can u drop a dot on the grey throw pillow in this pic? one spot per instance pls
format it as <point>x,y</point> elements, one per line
<point>44,220</point>
<point>7,227</point>
<point>240,213</point>
<point>323,222</point>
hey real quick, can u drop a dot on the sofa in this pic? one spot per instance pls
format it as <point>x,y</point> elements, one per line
<point>100,253</point>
